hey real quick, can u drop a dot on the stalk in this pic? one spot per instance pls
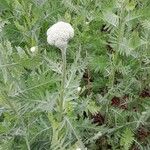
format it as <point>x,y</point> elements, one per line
<point>61,102</point>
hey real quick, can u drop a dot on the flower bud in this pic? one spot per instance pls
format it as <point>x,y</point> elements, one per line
<point>33,49</point>
<point>79,89</point>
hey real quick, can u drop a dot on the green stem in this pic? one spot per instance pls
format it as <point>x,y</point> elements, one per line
<point>61,103</point>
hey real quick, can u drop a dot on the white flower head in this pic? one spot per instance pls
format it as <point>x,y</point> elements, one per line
<point>79,89</point>
<point>87,23</point>
<point>59,34</point>
<point>33,49</point>
<point>78,149</point>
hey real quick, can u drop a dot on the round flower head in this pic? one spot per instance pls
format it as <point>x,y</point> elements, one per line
<point>59,34</point>
<point>33,49</point>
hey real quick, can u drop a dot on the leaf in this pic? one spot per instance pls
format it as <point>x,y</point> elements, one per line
<point>54,66</point>
<point>111,18</point>
<point>19,26</point>
<point>132,16</point>
<point>146,24</point>
<point>127,139</point>
<point>125,47</point>
<point>93,108</point>
<point>67,16</point>
<point>2,24</point>
<point>9,48</point>
<point>39,2</point>
<point>131,5</point>
<point>69,4</point>
<point>98,63</point>
<point>21,52</point>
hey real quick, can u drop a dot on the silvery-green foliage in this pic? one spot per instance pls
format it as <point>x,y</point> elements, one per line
<point>107,77</point>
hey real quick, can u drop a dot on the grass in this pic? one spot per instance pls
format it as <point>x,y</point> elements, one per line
<point>105,99</point>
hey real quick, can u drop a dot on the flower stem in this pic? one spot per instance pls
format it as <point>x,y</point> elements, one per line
<point>61,103</point>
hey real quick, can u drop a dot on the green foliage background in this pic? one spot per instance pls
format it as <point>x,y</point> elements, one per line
<point>109,58</point>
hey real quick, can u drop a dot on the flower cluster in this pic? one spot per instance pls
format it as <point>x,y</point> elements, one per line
<point>59,34</point>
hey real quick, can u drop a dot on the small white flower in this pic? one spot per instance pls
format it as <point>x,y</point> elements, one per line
<point>78,149</point>
<point>87,23</point>
<point>59,34</point>
<point>33,49</point>
<point>79,89</point>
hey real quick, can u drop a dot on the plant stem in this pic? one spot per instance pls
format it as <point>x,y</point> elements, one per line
<point>61,103</point>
